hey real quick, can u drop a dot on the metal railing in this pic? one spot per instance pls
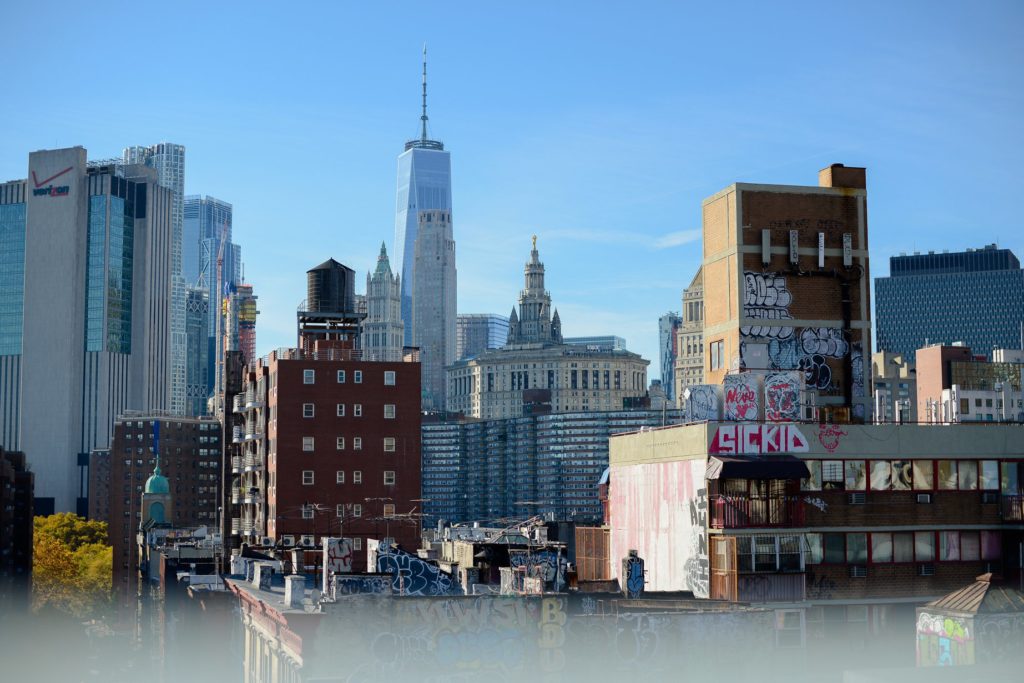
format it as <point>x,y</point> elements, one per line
<point>1012,508</point>
<point>740,512</point>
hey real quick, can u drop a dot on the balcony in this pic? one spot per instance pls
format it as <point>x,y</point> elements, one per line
<point>236,496</point>
<point>237,403</point>
<point>1012,508</point>
<point>744,512</point>
<point>250,463</point>
<point>236,464</point>
<point>236,435</point>
<point>252,496</point>
<point>236,525</point>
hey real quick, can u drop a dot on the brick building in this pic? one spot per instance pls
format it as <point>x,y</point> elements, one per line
<point>16,489</point>
<point>850,526</point>
<point>786,286</point>
<point>954,384</point>
<point>190,458</point>
<point>341,438</point>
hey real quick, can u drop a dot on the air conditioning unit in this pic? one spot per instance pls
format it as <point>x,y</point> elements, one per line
<point>924,498</point>
<point>858,571</point>
<point>989,497</point>
<point>306,542</point>
<point>926,570</point>
<point>856,499</point>
<point>266,541</point>
<point>287,541</point>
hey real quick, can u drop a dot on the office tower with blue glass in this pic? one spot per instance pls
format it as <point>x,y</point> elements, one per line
<point>86,268</point>
<point>479,332</point>
<point>424,184</point>
<point>974,296</point>
<point>668,351</point>
<point>207,235</point>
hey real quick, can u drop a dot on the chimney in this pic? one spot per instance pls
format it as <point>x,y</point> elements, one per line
<point>837,175</point>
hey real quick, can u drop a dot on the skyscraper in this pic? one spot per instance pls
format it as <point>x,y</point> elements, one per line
<point>383,335</point>
<point>668,350</point>
<point>434,303</point>
<point>169,161</point>
<point>424,184</point>
<point>84,337</point>
<point>974,296</point>
<point>208,226</point>
<point>240,322</point>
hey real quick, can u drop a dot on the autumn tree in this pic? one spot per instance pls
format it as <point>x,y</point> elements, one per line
<point>72,565</point>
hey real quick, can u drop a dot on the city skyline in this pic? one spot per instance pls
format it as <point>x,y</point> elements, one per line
<point>603,149</point>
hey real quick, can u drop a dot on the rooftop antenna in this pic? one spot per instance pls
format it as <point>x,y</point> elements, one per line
<point>423,117</point>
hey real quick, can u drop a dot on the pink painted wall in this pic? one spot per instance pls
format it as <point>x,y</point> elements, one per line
<point>660,510</point>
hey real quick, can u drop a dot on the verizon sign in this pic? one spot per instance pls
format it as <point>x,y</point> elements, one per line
<point>46,188</point>
<point>757,439</point>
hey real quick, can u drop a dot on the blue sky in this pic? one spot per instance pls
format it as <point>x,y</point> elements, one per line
<point>598,126</point>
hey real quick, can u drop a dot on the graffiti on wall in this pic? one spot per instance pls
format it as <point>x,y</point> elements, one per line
<point>809,350</point>
<point>702,403</point>
<point>782,397</point>
<point>339,555</point>
<point>698,565</point>
<point>362,585</point>
<point>830,435</point>
<point>742,400</point>
<point>766,298</point>
<point>412,576</point>
<point>944,640</point>
<point>546,565</point>
<point>661,512</point>
<point>758,439</point>
<point>633,571</point>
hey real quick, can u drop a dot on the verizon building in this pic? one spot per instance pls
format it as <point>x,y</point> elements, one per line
<point>84,303</point>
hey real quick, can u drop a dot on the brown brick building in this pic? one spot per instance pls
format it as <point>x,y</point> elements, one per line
<point>786,284</point>
<point>190,458</point>
<point>341,439</point>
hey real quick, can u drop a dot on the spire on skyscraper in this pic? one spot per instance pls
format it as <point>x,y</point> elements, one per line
<point>423,116</point>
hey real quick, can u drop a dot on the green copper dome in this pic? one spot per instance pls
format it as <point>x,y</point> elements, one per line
<point>157,483</point>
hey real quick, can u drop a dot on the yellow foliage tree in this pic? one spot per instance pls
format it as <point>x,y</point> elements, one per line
<point>72,565</point>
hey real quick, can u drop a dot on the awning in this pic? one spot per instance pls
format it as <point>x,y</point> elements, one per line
<point>775,467</point>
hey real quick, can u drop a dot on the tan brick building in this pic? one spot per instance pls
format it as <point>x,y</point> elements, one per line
<point>786,284</point>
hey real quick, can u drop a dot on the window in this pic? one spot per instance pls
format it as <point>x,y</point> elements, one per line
<point>340,510</point>
<point>357,511</point>
<point>389,411</point>
<point>949,546</point>
<point>881,547</point>
<point>716,350</point>
<point>1009,479</point>
<point>339,477</point>
<point>856,475</point>
<point>923,475</point>
<point>309,376</point>
<point>970,546</point>
<point>389,378</point>
<point>389,509</point>
<point>947,475</point>
<point>357,443</point>
<point>989,480</point>
<point>357,543</point>
<point>341,410</point>
<point>832,475</point>
<point>307,443</point>
<point>924,546</point>
<point>902,475</point>
<point>357,376</point>
<point>357,477</point>
<point>903,547</point>
<point>340,444</point>
<point>881,475</point>
<point>834,548</point>
<point>967,471</point>
<point>307,477</point>
<point>856,548</point>
<point>307,512</point>
<point>991,545</point>
<point>389,444</point>
<point>813,482</point>
<point>341,376</point>
<point>389,477</point>
<point>814,550</point>
<point>307,410</point>
<point>357,409</point>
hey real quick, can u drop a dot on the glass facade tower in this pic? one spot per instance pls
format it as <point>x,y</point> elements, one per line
<point>975,297</point>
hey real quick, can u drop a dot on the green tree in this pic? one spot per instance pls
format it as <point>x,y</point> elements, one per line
<point>72,565</point>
